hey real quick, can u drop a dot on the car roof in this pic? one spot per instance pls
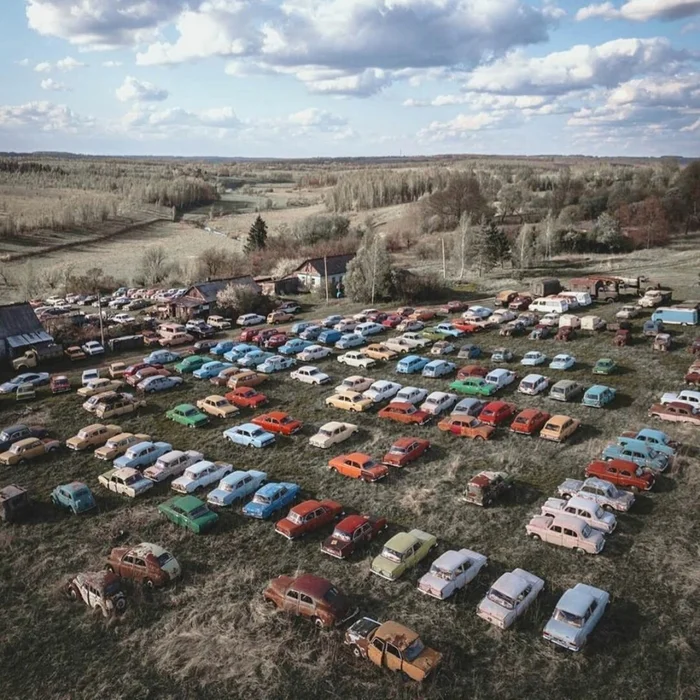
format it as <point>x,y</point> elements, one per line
<point>404,441</point>
<point>200,466</point>
<point>558,419</point>
<point>279,415</point>
<point>401,541</point>
<point>333,425</point>
<point>306,507</point>
<point>74,486</point>
<point>494,406</point>
<point>564,383</point>
<point>597,389</point>
<point>499,371</point>
<point>271,488</point>
<point>359,456</point>
<point>234,476</point>
<point>312,585</point>
<point>575,601</point>
<point>398,635</point>
<point>529,412</point>
<point>450,559</point>
<point>184,406</point>
<point>532,378</point>
<point>249,426</point>
<point>351,523</point>
<point>400,404</point>
<point>511,584</point>
<point>125,471</point>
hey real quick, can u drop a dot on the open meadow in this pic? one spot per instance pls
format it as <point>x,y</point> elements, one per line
<point>210,636</point>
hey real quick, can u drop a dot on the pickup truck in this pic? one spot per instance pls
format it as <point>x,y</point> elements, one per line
<point>29,448</point>
<point>605,494</point>
<point>14,433</point>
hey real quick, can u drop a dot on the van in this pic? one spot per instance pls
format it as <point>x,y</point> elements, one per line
<point>566,390</point>
<point>582,298</point>
<point>569,321</point>
<point>176,339</point>
<point>674,315</point>
<point>549,304</point>
<point>166,330</point>
<point>592,323</point>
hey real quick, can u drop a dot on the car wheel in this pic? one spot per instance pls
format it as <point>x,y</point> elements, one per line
<point>357,652</point>
<point>22,461</point>
<point>634,489</point>
<point>534,536</point>
<point>109,568</point>
<point>319,623</point>
<point>148,583</point>
<point>72,593</point>
<point>334,470</point>
<point>120,605</point>
<point>579,550</point>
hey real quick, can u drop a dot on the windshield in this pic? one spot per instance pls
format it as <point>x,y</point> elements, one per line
<point>598,512</point>
<point>398,450</point>
<point>287,420</point>
<point>198,512</point>
<point>263,500</point>
<point>325,433</point>
<point>568,618</point>
<point>334,597</point>
<point>444,574</point>
<point>112,588</point>
<point>132,479</point>
<point>81,493</point>
<point>295,518</point>
<point>84,434</point>
<point>586,530</point>
<point>392,554</point>
<point>413,651</point>
<point>500,599</point>
<point>190,475</point>
<point>340,535</point>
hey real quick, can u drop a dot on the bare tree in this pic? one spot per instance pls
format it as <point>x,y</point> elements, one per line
<point>154,266</point>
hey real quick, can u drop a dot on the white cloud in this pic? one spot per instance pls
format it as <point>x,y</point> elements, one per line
<point>43,67</point>
<point>133,90</point>
<point>42,116</point>
<point>317,118</point>
<point>641,10</point>
<point>579,67</point>
<point>695,126</point>
<point>24,62</point>
<point>69,63</point>
<point>463,125</point>
<point>111,64</point>
<point>51,84</point>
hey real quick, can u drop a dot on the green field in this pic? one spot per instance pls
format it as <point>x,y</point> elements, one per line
<point>210,636</point>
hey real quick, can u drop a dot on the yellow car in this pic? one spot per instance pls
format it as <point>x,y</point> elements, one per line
<point>119,444</point>
<point>117,369</point>
<point>98,386</point>
<point>29,448</point>
<point>349,401</point>
<point>217,406</point>
<point>559,428</point>
<point>379,351</point>
<point>93,435</point>
<point>279,317</point>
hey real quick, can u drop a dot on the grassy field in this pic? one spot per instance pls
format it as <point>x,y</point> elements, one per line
<point>209,635</point>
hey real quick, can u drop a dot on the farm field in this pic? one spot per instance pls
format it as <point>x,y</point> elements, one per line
<point>211,636</point>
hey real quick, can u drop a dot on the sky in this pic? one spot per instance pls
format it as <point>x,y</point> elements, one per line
<point>323,78</point>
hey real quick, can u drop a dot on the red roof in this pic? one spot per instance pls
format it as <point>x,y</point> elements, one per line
<point>315,586</point>
<point>405,441</point>
<point>351,523</point>
<point>306,507</point>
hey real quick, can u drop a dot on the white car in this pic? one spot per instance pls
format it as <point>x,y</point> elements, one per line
<point>503,316</point>
<point>354,383</point>
<point>250,320</point>
<point>411,394</point>
<point>500,377</point>
<point>313,352</point>
<point>369,328</point>
<point>355,358</point>
<point>416,340</point>
<point>201,474</point>
<point>688,396</point>
<point>219,322</point>
<point>172,463</point>
<point>533,358</point>
<point>551,319</point>
<point>398,344</point>
<point>126,481</point>
<point>509,597</point>
<point>310,375</point>
<point>442,347</point>
<point>450,572</point>
<point>533,384</point>
<point>89,375</point>
<point>410,325</point>
<point>584,508</point>
<point>122,318</point>
<point>92,347</point>
<point>480,312</point>
<point>381,391</point>
<point>437,402</point>
<point>332,433</point>
<point>346,325</point>
<point>627,311</point>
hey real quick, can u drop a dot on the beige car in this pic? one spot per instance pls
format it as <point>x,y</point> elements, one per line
<point>119,444</point>
<point>219,322</point>
<point>29,448</point>
<point>99,386</point>
<point>217,406</point>
<point>245,378</point>
<point>279,317</point>
<point>349,401</point>
<point>117,369</point>
<point>398,345</point>
<point>121,406</point>
<point>97,400</point>
<point>332,433</point>
<point>354,383</point>
<point>379,351</point>
<point>93,435</point>
<point>559,428</point>
<point>566,531</point>
<point>176,339</point>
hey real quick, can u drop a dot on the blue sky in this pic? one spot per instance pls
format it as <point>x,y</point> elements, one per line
<point>305,78</point>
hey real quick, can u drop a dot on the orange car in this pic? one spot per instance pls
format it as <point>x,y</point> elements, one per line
<point>466,426</point>
<point>472,371</point>
<point>358,466</point>
<point>529,421</point>
<point>277,422</point>
<point>405,412</point>
<point>423,315</point>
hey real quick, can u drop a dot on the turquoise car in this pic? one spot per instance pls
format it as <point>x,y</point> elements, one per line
<point>75,496</point>
<point>598,396</point>
<point>190,364</point>
<point>211,369</point>
<point>411,364</point>
<point>294,346</point>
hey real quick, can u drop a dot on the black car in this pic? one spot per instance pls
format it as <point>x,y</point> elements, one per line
<point>14,433</point>
<point>200,329</point>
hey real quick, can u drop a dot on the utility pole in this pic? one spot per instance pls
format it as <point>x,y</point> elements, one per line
<point>325,273</point>
<point>444,261</point>
<point>99,312</point>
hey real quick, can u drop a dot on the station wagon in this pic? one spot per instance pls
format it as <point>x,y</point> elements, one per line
<point>598,396</point>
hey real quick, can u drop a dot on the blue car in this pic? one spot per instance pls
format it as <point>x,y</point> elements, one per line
<point>254,358</point>
<point>329,337</point>
<point>438,368</point>
<point>656,439</point>
<point>411,364</point>
<point>271,498</point>
<point>311,333</point>
<point>238,351</point>
<point>236,486</point>
<point>142,455</point>
<point>577,613</point>
<point>162,357</point>
<point>75,496</point>
<point>562,361</point>
<point>299,327</point>
<point>639,452</point>
<point>469,352</point>
<point>448,330</point>
<point>210,369</point>
<point>222,347</point>
<point>294,346</point>
<point>598,396</point>
<point>331,320</point>
<point>350,340</point>
<point>249,435</point>
<point>33,378</point>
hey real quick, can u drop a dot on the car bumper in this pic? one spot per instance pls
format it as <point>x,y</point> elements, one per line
<point>332,552</point>
<point>492,619</point>
<point>561,642</point>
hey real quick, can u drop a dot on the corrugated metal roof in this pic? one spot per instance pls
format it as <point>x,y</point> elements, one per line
<point>18,319</point>
<point>24,339</point>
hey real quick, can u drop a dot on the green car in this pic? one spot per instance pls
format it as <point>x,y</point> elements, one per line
<point>187,414</point>
<point>191,363</point>
<point>474,386</point>
<point>402,552</point>
<point>605,366</point>
<point>189,512</point>
<point>432,334</point>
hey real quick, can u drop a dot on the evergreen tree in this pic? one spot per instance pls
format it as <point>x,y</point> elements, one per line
<point>257,236</point>
<point>496,244</point>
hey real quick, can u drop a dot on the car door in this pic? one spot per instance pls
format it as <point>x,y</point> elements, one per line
<point>570,538</point>
<point>393,658</point>
<point>291,602</point>
<point>375,652</point>
<point>125,566</point>
<point>460,575</point>
<point>139,569</point>
<point>555,534</point>
<point>363,533</point>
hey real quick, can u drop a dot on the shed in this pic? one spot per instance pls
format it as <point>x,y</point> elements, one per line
<point>312,272</point>
<point>201,297</point>
<point>20,329</point>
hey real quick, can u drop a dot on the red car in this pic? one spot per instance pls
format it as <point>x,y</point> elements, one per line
<point>358,465</point>
<point>472,371</point>
<point>263,334</point>
<point>466,327</point>
<point>404,311</point>
<point>133,369</point>
<point>497,412</point>
<point>405,412</point>
<point>520,303</point>
<point>278,422</point>
<point>626,475</point>
<point>246,397</point>
<point>405,450</point>
<point>60,384</point>
<point>391,321</point>
<point>276,341</point>
<point>151,338</point>
<point>377,317</point>
<point>529,421</point>
<point>247,335</point>
<point>134,379</point>
<point>693,375</point>
<point>351,533</point>
<point>453,307</point>
<point>307,517</point>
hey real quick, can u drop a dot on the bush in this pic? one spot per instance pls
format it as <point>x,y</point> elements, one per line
<point>237,299</point>
<point>411,288</point>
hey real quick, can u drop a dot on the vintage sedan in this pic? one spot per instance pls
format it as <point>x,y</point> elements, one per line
<point>349,401</point>
<point>236,487</point>
<point>404,412</point>
<point>311,333</point>
<point>566,390</point>
<point>442,347</point>
<point>358,465</point>
<point>602,492</point>
<point>502,354</point>
<point>187,414</point>
<point>147,564</point>
<point>411,394</point>
<point>276,363</point>
<point>150,385</point>
<point>533,358</point>
<point>245,378</point>
<point>307,517</point>
<point>469,352</point>
<point>399,345</point>
<point>497,412</point>
<point>162,357</point>
<point>404,451</point>
<point>533,384</point>
<point>294,346</point>
<point>501,377</point>
<point>127,482</point>
<point>314,352</point>
<point>98,386</point>
<point>469,407</point>
<point>249,435</point>
<point>451,572</point>
<point>189,512</point>
<point>246,397</point>
<point>332,433</point>
<point>401,553</point>
<point>566,531</point>
<point>142,455</point>
<point>622,473</point>
<point>172,463</point>
<point>310,375</point>
<point>438,368</point>
<point>351,534</point>
<point>94,435</point>
<point>209,370</point>
<point>145,373</point>
<point>381,390</point>
<point>190,364</point>
<point>249,320</point>
<point>598,396</point>
<point>559,428</point>
<point>676,412</point>
<point>411,364</point>
<point>356,358</point>
<point>472,371</point>
<point>474,386</point>
<point>217,406</point>
<point>312,597</point>
<point>464,425</point>
<point>437,402</point>
<point>199,475</point>
<point>605,366</point>
<point>584,508</point>
<point>509,597</point>
<point>354,383</point>
<point>99,590</point>
<point>562,362</point>
<point>638,452</point>
<point>350,340</point>
<point>379,351</point>
<point>254,359</point>
<point>33,378</point>
<point>75,496</point>
<point>278,422</point>
<point>239,351</point>
<point>577,613</point>
<point>119,444</point>
<point>270,498</point>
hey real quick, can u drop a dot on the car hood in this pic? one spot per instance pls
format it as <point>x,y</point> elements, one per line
<point>320,441</point>
<point>433,582</point>
<point>257,510</point>
<point>494,610</point>
<point>7,387</point>
<point>122,461</point>
<point>390,569</point>
<point>336,545</point>
<point>219,496</point>
<point>562,631</point>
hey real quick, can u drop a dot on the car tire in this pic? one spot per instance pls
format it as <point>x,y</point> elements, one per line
<point>534,536</point>
<point>109,568</point>
<point>579,550</point>
<point>318,622</point>
<point>148,583</point>
<point>72,593</point>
